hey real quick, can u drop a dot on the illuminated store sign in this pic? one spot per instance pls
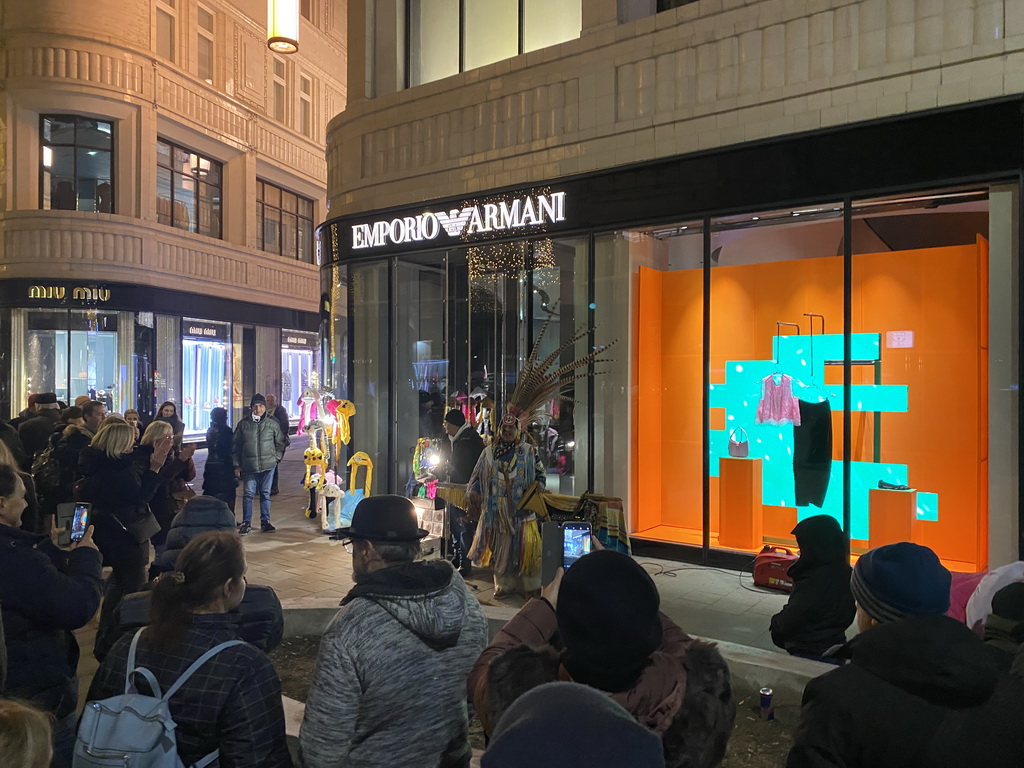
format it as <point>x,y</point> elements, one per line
<point>78,293</point>
<point>511,215</point>
<point>197,329</point>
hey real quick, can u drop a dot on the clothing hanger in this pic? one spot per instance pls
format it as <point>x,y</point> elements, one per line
<point>776,354</point>
<point>814,385</point>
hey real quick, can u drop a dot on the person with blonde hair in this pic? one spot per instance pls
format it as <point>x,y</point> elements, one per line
<point>120,492</point>
<point>25,738</point>
<point>178,470</point>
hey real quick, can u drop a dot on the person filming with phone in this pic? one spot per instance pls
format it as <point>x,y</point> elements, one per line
<point>46,593</point>
<point>605,609</point>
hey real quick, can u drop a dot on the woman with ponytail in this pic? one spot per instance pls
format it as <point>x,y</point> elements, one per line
<point>234,702</point>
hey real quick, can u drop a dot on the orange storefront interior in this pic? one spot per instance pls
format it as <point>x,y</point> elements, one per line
<point>929,308</point>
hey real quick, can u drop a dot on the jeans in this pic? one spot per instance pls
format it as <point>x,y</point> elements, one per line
<point>262,482</point>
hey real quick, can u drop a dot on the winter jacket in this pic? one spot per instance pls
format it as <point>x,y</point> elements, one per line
<point>233,703</point>
<point>1017,670</point>
<point>462,453</point>
<point>684,694</point>
<point>118,492</point>
<point>258,445</point>
<point>174,474</point>
<point>9,435</point>
<point>821,606</point>
<point>199,515</point>
<point>219,471</point>
<point>280,415</point>
<point>389,687</point>
<point>1004,637</point>
<point>921,692</point>
<point>45,593</point>
<point>258,619</point>
<point>35,433</point>
<point>32,518</point>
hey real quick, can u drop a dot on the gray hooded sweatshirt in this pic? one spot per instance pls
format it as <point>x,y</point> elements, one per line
<point>389,687</point>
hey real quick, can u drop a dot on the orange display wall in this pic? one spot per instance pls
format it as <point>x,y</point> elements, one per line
<point>930,310</point>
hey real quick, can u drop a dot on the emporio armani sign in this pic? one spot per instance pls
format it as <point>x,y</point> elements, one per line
<point>515,214</point>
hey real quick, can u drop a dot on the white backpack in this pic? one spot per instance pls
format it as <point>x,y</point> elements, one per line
<point>136,731</point>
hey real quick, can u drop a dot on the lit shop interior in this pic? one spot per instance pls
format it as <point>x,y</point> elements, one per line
<point>738,397</point>
<point>906,457</point>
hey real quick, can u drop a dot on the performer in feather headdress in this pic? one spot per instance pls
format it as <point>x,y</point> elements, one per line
<point>508,538</point>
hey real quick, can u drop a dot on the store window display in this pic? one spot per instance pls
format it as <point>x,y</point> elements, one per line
<point>297,353</point>
<point>73,353</point>
<point>206,376</point>
<point>777,366</point>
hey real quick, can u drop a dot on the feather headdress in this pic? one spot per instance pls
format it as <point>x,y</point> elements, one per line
<point>540,382</point>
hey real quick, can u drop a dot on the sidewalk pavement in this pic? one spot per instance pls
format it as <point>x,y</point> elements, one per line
<point>299,561</point>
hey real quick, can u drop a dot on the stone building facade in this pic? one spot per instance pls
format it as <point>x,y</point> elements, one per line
<point>161,173</point>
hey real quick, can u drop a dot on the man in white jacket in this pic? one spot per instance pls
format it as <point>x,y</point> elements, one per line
<point>389,688</point>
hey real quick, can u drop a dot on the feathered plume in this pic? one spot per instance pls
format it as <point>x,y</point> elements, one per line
<point>538,383</point>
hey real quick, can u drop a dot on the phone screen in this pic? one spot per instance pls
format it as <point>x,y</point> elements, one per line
<point>576,543</point>
<point>80,522</point>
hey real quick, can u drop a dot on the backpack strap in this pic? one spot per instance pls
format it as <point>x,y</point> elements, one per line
<point>195,666</point>
<point>148,676</point>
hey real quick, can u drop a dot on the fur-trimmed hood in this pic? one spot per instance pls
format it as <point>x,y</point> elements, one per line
<point>687,700</point>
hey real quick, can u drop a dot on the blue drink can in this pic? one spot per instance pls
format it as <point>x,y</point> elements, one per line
<point>767,707</point>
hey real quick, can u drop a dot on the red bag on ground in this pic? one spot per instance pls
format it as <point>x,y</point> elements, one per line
<point>771,568</point>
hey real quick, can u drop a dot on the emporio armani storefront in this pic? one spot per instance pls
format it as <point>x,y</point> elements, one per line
<point>826,323</point>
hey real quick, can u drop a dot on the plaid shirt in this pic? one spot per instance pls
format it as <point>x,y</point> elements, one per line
<point>233,702</point>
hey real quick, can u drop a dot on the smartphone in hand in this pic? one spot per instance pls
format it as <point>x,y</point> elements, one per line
<point>80,521</point>
<point>561,546</point>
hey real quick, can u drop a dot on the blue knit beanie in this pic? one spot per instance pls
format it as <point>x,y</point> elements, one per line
<point>901,579</point>
<point>557,725</point>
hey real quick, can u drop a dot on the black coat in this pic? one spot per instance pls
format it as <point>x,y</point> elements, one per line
<point>118,492</point>
<point>35,432</point>
<point>821,607</point>
<point>462,454</point>
<point>200,515</point>
<point>922,692</point>
<point>9,435</point>
<point>46,593</point>
<point>219,471</point>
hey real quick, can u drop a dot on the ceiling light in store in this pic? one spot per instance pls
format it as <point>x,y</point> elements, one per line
<point>47,157</point>
<point>283,25</point>
<point>200,166</point>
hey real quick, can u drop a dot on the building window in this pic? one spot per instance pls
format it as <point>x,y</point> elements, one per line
<point>188,189</point>
<point>305,106</point>
<point>485,31</point>
<point>77,160</point>
<point>166,32</point>
<point>205,38</point>
<point>285,222</point>
<point>280,92</point>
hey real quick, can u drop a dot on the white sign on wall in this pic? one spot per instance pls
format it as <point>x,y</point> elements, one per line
<point>519,213</point>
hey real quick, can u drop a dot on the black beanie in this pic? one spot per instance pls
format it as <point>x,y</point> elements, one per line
<point>609,620</point>
<point>455,417</point>
<point>1008,602</point>
<point>258,399</point>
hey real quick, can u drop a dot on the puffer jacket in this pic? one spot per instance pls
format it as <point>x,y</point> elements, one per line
<point>46,593</point>
<point>390,682</point>
<point>201,514</point>
<point>258,619</point>
<point>219,471</point>
<point>258,445</point>
<point>684,694</point>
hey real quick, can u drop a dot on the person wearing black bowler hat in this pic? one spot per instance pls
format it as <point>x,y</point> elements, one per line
<point>390,681</point>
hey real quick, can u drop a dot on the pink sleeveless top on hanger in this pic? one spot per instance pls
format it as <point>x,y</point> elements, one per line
<point>778,405</point>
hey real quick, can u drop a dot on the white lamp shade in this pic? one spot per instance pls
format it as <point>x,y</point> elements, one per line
<point>283,25</point>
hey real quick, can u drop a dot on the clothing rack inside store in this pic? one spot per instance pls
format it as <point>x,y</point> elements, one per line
<point>814,384</point>
<point>776,357</point>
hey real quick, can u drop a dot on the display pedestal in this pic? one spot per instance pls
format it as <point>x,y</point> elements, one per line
<point>740,509</point>
<point>892,516</point>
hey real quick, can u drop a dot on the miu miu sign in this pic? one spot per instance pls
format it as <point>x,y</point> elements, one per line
<point>59,292</point>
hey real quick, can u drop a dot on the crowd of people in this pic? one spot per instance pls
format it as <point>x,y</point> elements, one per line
<point>589,672</point>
